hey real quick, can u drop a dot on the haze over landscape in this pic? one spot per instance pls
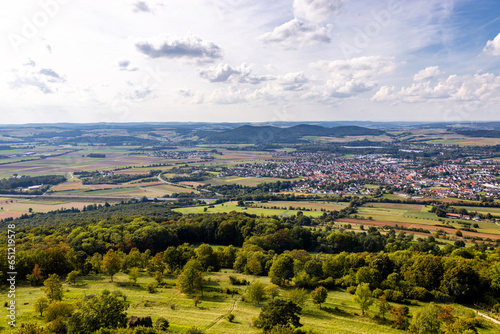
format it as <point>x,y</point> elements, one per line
<point>242,60</point>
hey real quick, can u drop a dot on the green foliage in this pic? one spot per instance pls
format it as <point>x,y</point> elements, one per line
<point>426,321</point>
<point>104,310</point>
<point>144,330</point>
<point>319,295</point>
<point>151,287</point>
<point>298,296</point>
<point>162,324</point>
<point>272,291</point>
<point>281,269</point>
<point>400,317</point>
<point>230,317</point>
<point>194,330</point>
<point>30,329</point>
<point>363,297</point>
<point>190,280</point>
<point>35,278</point>
<point>72,276</point>
<point>133,274</point>
<point>58,310</point>
<point>196,301</point>
<point>383,306</point>
<point>279,312</point>
<point>40,305</point>
<point>53,287</point>
<point>256,293</point>
<point>111,263</point>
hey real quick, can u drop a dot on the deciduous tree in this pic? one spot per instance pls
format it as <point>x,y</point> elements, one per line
<point>53,287</point>
<point>111,263</point>
<point>363,297</point>
<point>319,295</point>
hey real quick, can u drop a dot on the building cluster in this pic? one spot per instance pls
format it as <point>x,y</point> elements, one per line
<point>325,173</point>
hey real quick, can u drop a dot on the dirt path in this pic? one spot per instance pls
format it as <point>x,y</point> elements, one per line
<point>487,317</point>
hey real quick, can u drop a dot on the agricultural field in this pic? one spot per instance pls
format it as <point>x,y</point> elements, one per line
<point>15,207</point>
<point>245,181</point>
<point>231,206</point>
<point>339,314</point>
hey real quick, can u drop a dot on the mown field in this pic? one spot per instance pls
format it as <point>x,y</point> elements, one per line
<point>15,207</point>
<point>339,314</point>
<point>231,206</point>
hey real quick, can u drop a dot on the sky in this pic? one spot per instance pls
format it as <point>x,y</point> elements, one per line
<point>249,60</point>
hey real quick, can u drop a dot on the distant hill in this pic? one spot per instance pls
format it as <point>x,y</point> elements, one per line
<point>480,133</point>
<point>248,134</point>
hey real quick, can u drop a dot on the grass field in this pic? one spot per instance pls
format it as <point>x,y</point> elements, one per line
<point>231,206</point>
<point>417,214</point>
<point>246,181</point>
<point>305,204</point>
<point>20,206</point>
<point>210,314</point>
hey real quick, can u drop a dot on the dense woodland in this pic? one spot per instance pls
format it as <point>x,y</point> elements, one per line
<point>396,267</point>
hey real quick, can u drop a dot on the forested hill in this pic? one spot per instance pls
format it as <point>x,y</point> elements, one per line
<point>248,134</point>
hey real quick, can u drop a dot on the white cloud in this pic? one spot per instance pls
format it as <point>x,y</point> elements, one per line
<point>351,77</point>
<point>228,74</point>
<point>479,87</point>
<point>493,47</point>
<point>317,10</point>
<point>427,73</point>
<point>296,33</point>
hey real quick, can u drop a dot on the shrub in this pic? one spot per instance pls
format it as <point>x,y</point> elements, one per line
<point>351,289</point>
<point>230,317</point>
<point>194,330</point>
<point>377,293</point>
<point>162,324</point>
<point>144,330</point>
<point>151,287</point>
<point>58,309</point>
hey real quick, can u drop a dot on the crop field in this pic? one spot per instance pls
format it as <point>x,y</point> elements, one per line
<point>339,314</point>
<point>231,206</point>
<point>410,214</point>
<point>15,207</point>
<point>246,181</point>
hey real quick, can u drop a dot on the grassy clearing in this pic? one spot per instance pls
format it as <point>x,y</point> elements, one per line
<point>231,206</point>
<point>305,204</point>
<point>246,181</point>
<point>339,314</point>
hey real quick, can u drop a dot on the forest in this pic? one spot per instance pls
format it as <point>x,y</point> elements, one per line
<point>147,237</point>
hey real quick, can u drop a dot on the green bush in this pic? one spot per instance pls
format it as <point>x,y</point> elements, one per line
<point>351,289</point>
<point>162,324</point>
<point>144,330</point>
<point>230,317</point>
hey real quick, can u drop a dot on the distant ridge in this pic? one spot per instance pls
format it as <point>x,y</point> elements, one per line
<point>248,134</point>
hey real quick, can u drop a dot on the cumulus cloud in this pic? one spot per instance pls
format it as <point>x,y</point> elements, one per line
<point>228,74</point>
<point>351,77</point>
<point>296,33</point>
<point>184,47</point>
<point>479,87</point>
<point>427,73</point>
<point>44,79</point>
<point>293,81</point>
<point>317,10</point>
<point>493,47</point>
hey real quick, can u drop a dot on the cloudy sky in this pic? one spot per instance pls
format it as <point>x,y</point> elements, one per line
<point>249,60</point>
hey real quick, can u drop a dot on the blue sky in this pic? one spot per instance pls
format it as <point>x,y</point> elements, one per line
<point>249,60</point>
